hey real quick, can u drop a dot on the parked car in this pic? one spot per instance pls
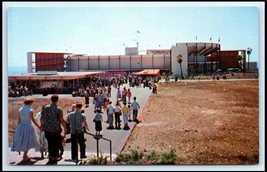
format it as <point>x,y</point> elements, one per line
<point>219,72</point>
<point>233,70</point>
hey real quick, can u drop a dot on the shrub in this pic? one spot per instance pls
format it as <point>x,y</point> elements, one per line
<point>102,160</point>
<point>137,158</point>
<point>153,156</point>
<point>132,158</point>
<point>167,157</point>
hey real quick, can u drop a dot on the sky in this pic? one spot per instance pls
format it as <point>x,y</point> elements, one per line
<point>107,28</point>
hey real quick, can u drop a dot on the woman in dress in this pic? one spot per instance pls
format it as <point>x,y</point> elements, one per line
<point>98,122</point>
<point>26,134</point>
<point>41,135</point>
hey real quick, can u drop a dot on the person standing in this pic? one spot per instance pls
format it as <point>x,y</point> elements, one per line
<point>129,95</point>
<point>135,106</point>
<point>109,91</point>
<point>98,122</point>
<point>117,112</point>
<point>118,94</point>
<point>124,94</point>
<point>26,134</point>
<point>51,120</point>
<point>110,110</point>
<point>86,97</point>
<point>125,112</point>
<point>43,142</point>
<point>76,120</point>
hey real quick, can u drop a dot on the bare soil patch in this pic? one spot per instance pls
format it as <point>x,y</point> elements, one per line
<point>213,122</point>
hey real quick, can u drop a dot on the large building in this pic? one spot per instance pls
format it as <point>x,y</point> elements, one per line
<point>230,59</point>
<point>196,58</point>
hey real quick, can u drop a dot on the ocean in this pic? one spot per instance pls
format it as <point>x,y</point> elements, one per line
<point>17,70</point>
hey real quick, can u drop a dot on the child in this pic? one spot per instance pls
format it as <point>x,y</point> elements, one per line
<point>98,122</point>
<point>129,114</point>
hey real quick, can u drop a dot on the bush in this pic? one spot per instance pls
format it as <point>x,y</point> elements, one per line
<point>153,156</point>
<point>102,160</point>
<point>137,158</point>
<point>132,158</point>
<point>167,157</point>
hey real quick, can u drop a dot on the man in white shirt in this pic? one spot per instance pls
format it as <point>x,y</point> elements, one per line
<point>110,110</point>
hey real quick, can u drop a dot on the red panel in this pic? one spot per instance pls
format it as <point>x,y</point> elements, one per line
<point>49,61</point>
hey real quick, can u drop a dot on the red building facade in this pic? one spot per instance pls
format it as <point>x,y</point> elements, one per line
<point>49,61</point>
<point>229,59</point>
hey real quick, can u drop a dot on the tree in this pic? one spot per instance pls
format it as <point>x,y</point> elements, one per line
<point>180,60</point>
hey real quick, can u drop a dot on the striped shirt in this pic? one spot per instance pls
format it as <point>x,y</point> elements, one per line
<point>76,120</point>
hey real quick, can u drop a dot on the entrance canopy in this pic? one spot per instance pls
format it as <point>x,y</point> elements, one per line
<point>58,76</point>
<point>153,72</point>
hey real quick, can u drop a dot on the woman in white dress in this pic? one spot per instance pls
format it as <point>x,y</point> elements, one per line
<point>26,134</point>
<point>41,136</point>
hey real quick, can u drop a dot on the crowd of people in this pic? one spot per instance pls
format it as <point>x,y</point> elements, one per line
<point>49,128</point>
<point>19,90</point>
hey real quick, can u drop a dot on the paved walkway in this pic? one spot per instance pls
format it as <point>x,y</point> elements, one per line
<point>117,137</point>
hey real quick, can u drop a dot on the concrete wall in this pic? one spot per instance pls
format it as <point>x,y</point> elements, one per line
<point>122,62</point>
<point>125,62</point>
<point>29,57</point>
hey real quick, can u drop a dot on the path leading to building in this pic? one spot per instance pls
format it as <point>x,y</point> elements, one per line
<point>118,137</point>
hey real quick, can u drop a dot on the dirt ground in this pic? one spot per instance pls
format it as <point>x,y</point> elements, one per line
<point>212,122</point>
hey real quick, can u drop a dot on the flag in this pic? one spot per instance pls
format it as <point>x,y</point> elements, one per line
<point>219,40</point>
<point>138,31</point>
<point>210,38</point>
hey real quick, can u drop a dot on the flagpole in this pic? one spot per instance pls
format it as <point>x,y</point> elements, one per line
<point>138,32</point>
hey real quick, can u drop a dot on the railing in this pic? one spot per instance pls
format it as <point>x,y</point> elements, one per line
<point>97,137</point>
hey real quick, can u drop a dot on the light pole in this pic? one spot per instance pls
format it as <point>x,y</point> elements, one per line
<point>249,50</point>
<point>137,41</point>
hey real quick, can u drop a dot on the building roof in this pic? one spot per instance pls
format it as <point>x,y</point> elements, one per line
<point>50,52</point>
<point>158,50</point>
<point>58,76</point>
<point>149,72</point>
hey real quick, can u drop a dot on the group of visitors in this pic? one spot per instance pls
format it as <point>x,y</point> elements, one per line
<point>19,90</point>
<point>45,129</point>
<point>51,122</point>
<point>118,110</point>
